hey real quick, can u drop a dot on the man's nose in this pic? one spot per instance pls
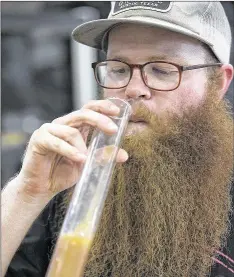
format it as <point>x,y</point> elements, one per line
<point>136,88</point>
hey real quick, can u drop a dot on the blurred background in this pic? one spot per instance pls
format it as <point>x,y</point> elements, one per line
<point>44,73</point>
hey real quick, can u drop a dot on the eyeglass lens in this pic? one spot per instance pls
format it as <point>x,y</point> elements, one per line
<point>156,75</point>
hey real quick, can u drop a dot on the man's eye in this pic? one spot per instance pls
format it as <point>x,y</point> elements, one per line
<point>118,70</point>
<point>162,71</point>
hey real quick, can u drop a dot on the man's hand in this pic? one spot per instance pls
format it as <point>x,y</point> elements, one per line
<point>52,163</point>
<point>57,150</point>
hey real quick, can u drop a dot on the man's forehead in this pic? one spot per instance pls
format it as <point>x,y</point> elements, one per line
<point>133,32</point>
<point>155,42</point>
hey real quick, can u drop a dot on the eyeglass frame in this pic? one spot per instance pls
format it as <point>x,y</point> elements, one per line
<point>181,69</point>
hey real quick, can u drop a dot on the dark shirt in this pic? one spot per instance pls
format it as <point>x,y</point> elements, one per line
<point>32,258</point>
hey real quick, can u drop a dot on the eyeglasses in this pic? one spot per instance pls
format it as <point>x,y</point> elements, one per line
<point>157,75</point>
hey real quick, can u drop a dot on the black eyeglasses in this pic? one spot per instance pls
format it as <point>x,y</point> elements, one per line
<point>157,75</point>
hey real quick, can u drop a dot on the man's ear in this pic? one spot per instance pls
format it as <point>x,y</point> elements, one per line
<point>227,76</point>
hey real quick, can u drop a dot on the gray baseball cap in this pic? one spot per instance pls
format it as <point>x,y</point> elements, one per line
<point>205,21</point>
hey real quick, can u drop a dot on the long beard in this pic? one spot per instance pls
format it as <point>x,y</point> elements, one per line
<point>168,206</point>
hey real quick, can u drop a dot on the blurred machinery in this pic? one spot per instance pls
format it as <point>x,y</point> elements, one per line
<point>44,73</point>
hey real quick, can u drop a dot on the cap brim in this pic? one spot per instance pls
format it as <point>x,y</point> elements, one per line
<point>91,33</point>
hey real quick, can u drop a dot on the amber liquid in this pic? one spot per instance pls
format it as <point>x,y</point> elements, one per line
<point>70,256</point>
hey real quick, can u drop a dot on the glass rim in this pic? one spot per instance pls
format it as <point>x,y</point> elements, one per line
<point>125,101</point>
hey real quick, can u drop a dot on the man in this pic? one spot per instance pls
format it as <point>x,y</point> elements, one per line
<point>167,211</point>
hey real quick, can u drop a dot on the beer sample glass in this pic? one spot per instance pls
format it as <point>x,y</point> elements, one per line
<point>85,209</point>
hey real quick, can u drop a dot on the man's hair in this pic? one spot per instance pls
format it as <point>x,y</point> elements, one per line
<point>211,58</point>
<point>213,73</point>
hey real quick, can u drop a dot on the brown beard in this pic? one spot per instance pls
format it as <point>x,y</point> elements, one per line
<point>168,207</point>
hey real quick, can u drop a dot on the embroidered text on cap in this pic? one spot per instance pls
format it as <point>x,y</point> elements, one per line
<point>160,6</point>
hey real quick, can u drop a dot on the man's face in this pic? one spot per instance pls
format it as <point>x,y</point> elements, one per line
<point>138,45</point>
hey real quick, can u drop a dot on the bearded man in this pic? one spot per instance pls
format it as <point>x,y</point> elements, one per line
<point>168,210</point>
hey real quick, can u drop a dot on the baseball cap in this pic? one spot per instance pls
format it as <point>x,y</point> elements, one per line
<point>205,21</point>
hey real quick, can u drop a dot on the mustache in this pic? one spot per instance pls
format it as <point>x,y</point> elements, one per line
<point>140,112</point>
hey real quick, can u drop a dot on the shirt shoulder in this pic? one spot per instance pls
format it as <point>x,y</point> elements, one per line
<point>224,259</point>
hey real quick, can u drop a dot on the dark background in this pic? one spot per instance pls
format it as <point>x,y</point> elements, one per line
<point>36,68</point>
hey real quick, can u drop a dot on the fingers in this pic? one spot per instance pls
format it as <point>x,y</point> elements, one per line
<point>104,155</point>
<point>103,106</point>
<point>95,114</point>
<point>59,139</point>
<point>63,136</point>
<point>68,134</point>
<point>89,117</point>
<point>65,141</point>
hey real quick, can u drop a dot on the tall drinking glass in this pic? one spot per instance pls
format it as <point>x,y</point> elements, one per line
<point>88,199</point>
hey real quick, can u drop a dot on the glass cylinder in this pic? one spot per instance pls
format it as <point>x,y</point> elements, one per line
<point>88,199</point>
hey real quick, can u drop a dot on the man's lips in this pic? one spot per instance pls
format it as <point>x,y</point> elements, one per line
<point>136,119</point>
